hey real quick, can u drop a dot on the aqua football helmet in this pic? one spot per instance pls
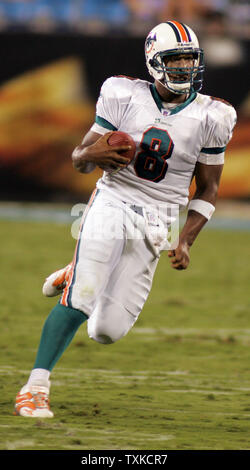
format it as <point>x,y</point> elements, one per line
<point>171,39</point>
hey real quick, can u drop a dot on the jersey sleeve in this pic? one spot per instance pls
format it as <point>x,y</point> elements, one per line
<point>114,97</point>
<point>218,132</point>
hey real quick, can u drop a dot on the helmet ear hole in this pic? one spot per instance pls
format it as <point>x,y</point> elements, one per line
<point>152,62</point>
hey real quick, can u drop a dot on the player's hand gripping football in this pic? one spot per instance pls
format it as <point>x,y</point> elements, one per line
<point>106,157</point>
<point>180,256</point>
<point>96,150</point>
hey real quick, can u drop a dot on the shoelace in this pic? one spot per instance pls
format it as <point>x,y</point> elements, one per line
<point>41,400</point>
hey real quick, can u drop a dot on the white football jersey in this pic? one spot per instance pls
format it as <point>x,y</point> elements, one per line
<point>169,140</point>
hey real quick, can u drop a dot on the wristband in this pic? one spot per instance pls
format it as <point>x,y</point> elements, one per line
<point>203,207</point>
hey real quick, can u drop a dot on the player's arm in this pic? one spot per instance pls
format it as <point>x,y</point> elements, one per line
<point>95,151</point>
<point>207,178</point>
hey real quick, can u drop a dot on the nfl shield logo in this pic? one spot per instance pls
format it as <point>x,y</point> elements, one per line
<point>165,112</point>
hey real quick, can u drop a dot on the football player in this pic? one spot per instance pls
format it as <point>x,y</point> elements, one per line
<point>180,134</point>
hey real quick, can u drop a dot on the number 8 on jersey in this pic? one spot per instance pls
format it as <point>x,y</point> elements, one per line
<point>157,147</point>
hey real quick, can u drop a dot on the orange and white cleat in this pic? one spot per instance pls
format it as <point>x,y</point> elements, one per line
<point>56,282</point>
<point>33,402</point>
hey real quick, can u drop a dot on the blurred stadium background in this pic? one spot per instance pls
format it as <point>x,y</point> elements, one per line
<point>187,386</point>
<point>55,55</point>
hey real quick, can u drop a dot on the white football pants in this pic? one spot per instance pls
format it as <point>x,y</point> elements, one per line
<point>113,268</point>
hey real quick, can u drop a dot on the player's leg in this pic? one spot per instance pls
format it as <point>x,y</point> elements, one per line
<point>125,295</point>
<point>58,331</point>
<point>93,262</point>
<point>98,251</point>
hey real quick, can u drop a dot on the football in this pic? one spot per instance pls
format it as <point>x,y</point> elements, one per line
<point>122,138</point>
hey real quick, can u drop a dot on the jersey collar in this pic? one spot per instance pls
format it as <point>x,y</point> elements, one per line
<point>175,110</point>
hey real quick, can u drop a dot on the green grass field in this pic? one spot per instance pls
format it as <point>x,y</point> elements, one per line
<point>179,380</point>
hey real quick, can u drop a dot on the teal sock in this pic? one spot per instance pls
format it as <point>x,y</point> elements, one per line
<point>58,331</point>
